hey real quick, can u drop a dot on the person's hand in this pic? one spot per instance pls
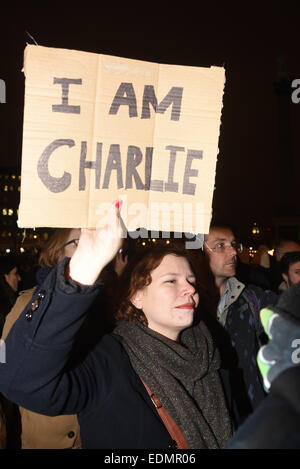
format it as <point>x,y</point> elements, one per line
<point>96,248</point>
<point>283,348</point>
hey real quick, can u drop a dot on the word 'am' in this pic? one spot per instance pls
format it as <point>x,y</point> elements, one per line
<point>125,96</point>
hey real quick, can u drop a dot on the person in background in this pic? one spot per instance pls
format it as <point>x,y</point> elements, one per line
<point>9,283</point>
<point>156,360</point>
<point>239,332</point>
<point>262,256</point>
<point>290,268</point>
<point>275,424</point>
<point>284,246</point>
<point>62,243</point>
<point>26,429</point>
<point>274,272</point>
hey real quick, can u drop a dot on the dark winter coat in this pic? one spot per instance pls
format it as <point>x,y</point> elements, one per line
<point>238,334</point>
<point>114,409</point>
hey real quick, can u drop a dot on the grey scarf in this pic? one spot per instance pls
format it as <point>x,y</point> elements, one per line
<point>185,379</point>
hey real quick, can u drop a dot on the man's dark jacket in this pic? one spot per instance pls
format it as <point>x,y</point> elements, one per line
<point>238,335</point>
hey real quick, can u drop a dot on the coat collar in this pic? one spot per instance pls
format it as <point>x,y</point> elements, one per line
<point>235,288</point>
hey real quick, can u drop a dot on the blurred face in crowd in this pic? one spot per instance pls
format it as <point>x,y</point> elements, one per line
<point>284,247</point>
<point>13,278</point>
<point>293,274</point>
<point>71,242</point>
<point>221,254</point>
<point>169,301</point>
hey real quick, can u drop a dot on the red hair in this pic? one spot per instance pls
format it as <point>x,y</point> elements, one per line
<point>137,275</point>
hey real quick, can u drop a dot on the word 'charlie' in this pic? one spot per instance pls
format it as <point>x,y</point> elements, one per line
<point>114,163</point>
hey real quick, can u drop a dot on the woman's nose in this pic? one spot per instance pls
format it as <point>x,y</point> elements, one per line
<point>189,289</point>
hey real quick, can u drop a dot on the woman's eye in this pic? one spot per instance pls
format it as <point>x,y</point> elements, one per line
<point>170,281</point>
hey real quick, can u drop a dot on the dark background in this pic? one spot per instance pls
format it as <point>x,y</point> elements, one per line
<point>258,163</point>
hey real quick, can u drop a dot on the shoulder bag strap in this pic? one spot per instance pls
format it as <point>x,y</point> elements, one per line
<point>174,431</point>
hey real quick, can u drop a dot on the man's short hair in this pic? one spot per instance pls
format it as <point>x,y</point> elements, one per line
<point>287,260</point>
<point>225,224</point>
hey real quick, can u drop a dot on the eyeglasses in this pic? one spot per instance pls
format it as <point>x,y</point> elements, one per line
<point>73,241</point>
<point>222,247</point>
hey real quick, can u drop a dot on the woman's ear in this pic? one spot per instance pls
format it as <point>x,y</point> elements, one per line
<point>286,279</point>
<point>137,300</point>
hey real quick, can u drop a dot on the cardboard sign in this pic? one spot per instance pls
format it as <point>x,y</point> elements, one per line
<point>99,128</point>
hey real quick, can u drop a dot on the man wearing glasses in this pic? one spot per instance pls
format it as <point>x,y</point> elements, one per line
<point>238,308</point>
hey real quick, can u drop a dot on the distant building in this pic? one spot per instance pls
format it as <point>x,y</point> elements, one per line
<point>13,238</point>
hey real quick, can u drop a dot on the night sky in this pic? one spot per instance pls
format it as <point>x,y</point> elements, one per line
<point>258,45</point>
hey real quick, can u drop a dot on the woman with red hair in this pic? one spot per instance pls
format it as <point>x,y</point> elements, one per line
<point>152,383</point>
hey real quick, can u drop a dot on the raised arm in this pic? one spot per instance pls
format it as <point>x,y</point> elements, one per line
<point>39,344</point>
<point>96,248</point>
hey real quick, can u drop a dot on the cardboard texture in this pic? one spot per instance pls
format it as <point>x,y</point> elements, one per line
<point>99,128</point>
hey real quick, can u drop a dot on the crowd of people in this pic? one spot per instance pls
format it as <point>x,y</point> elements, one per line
<point>114,347</point>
